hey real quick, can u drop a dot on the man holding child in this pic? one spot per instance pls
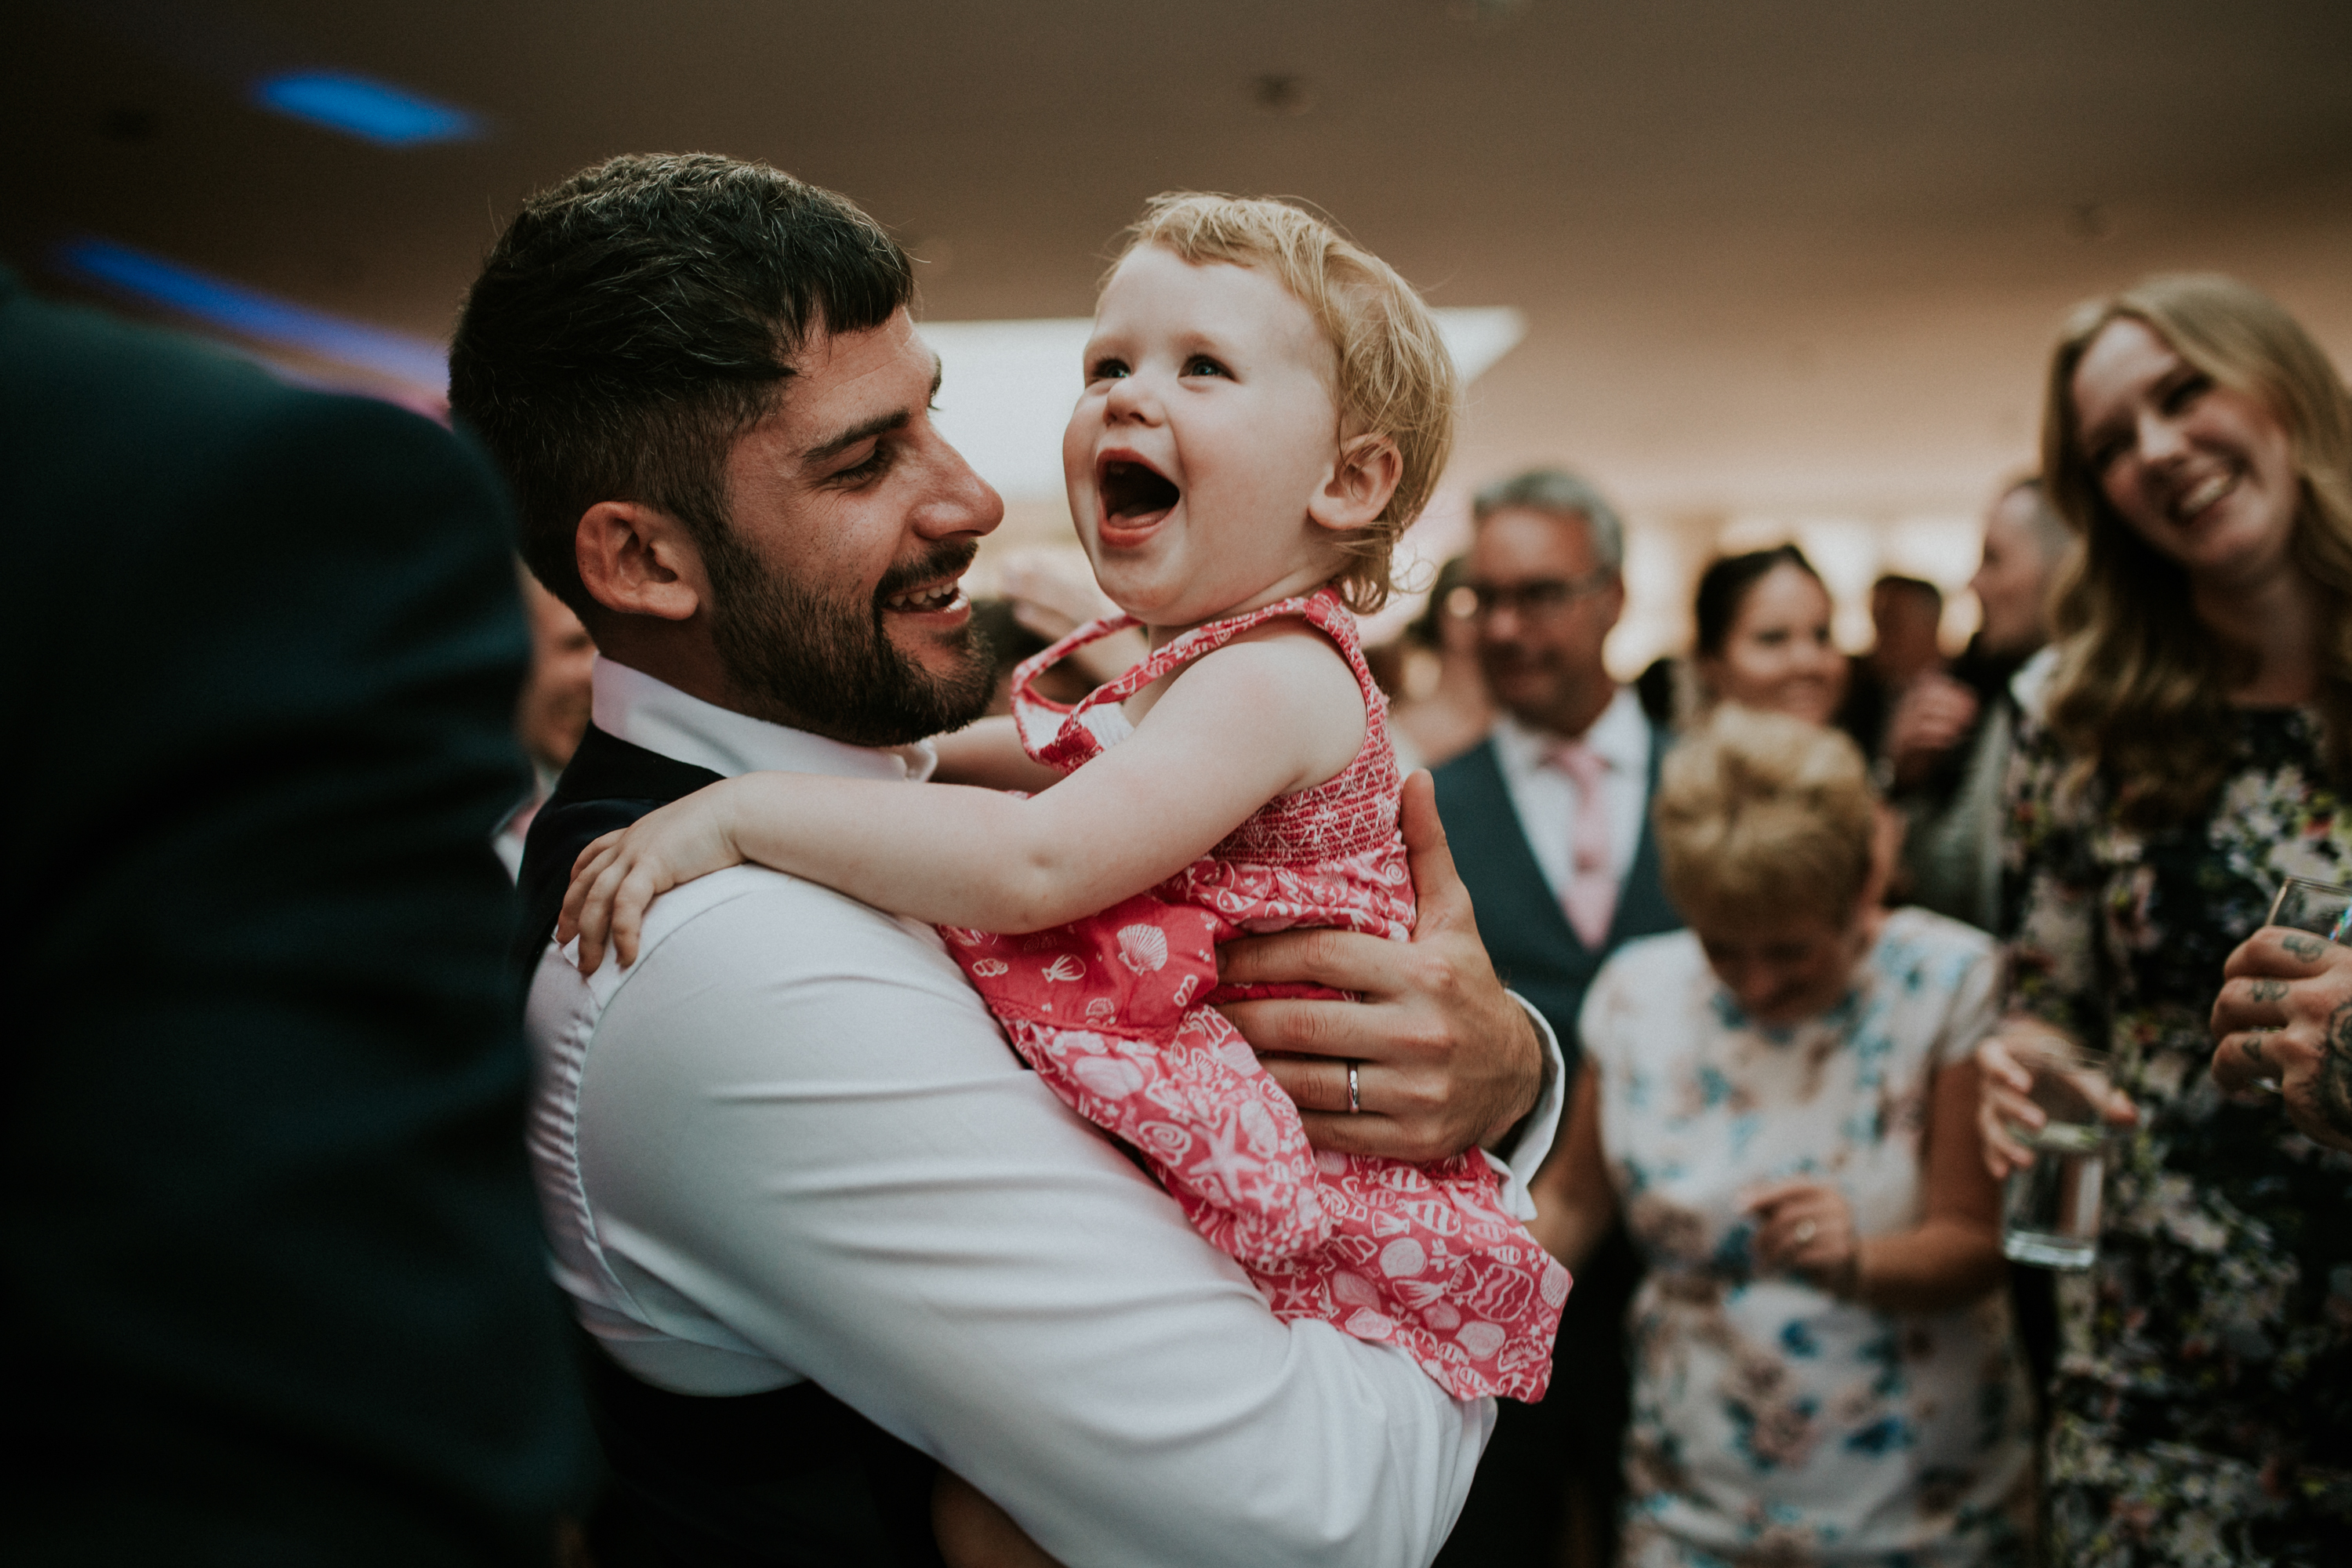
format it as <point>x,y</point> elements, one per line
<point>820,1225</point>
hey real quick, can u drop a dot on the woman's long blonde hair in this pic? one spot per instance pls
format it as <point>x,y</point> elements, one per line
<point>2141,693</point>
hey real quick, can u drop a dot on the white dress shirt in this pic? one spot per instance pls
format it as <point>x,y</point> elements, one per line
<point>790,1143</point>
<point>1547,799</point>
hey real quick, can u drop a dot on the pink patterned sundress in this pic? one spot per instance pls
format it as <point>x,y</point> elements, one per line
<point>1116,1013</point>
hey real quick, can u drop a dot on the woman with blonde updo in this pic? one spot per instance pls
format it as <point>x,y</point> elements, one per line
<point>1782,1100</point>
<point>2190,748</point>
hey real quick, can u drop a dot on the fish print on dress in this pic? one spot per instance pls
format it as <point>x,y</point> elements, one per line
<point>1117,1015</point>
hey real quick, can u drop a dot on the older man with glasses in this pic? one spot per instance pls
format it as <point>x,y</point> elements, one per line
<point>1548,820</point>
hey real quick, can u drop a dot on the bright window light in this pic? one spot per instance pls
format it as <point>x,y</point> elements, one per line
<point>250,313</point>
<point>373,111</point>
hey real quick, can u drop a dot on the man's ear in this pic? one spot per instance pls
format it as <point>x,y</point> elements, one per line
<point>1362,478</point>
<point>636,561</point>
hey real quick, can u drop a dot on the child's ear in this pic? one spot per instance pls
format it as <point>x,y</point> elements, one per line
<point>1362,478</point>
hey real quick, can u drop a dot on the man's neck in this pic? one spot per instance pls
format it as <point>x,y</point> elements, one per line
<point>673,653</point>
<point>1570,720</point>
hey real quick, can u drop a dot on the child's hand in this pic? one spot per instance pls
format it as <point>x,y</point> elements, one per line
<point>618,875</point>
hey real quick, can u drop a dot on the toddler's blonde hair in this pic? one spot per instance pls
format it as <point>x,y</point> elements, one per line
<point>1759,816</point>
<point>1396,378</point>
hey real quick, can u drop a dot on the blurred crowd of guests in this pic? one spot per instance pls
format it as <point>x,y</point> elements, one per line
<point>1794,1337</point>
<point>1792,915</point>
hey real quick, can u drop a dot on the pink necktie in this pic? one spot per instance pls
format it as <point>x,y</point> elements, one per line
<point>1591,895</point>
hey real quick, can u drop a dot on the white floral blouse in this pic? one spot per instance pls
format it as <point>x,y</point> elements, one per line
<point>1772,1422</point>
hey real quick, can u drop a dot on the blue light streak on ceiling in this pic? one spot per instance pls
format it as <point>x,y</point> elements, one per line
<point>372,111</point>
<point>250,313</point>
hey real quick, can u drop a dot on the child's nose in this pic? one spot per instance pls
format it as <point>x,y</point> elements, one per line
<point>1131,399</point>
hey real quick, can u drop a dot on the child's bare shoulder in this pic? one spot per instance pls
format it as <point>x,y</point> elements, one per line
<point>1290,682</point>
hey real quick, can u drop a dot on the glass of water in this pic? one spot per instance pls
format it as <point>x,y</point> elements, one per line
<point>2315,907</point>
<point>2049,1209</point>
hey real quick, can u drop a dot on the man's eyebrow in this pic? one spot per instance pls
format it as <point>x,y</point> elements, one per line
<point>867,429</point>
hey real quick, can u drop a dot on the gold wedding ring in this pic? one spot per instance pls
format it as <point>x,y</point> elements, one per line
<point>1804,1232</point>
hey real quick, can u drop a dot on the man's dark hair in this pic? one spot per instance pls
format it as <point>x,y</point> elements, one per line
<point>633,320</point>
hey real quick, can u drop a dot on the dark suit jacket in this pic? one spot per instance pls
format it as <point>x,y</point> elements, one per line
<point>274,1288</point>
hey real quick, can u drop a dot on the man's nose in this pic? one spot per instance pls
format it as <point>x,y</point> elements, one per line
<point>956,500</point>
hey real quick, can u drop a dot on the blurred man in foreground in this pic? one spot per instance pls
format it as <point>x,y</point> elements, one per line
<point>273,1288</point>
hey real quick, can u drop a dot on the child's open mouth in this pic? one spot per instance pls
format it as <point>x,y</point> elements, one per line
<point>1134,497</point>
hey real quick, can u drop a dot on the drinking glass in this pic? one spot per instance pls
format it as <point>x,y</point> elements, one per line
<point>2315,907</point>
<point>2049,1209</point>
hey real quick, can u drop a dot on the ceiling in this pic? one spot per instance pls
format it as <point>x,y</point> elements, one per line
<point>1780,263</point>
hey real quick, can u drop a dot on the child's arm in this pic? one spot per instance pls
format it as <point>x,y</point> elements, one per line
<point>988,753</point>
<point>1264,716</point>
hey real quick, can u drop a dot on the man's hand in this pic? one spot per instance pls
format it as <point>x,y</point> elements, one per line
<point>1934,714</point>
<point>1445,1058</point>
<point>2284,1022</point>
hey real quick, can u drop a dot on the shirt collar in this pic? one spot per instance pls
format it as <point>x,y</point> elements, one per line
<point>1621,737</point>
<point>632,706</point>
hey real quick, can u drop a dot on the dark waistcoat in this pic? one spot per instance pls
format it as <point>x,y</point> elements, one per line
<point>1572,1441</point>
<point>1535,949</point>
<point>763,1481</point>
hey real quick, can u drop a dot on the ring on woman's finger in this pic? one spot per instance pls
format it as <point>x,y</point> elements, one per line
<point>1355,1089</point>
<point>1806,1230</point>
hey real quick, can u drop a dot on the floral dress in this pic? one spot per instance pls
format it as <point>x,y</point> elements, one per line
<point>1772,1422</point>
<point>1117,1014</point>
<point>2202,1408</point>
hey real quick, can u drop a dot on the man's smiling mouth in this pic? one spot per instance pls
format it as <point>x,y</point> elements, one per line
<point>1133,494</point>
<point>937,596</point>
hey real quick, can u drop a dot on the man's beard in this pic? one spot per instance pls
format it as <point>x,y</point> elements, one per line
<point>822,662</point>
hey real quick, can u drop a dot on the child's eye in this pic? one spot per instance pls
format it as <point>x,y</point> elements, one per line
<point>1107,369</point>
<point>1201,364</point>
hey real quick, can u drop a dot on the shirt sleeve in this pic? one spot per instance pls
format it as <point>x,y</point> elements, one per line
<point>2051,888</point>
<point>1540,1128</point>
<point>799,1128</point>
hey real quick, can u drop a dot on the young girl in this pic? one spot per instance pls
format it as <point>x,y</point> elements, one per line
<point>1266,407</point>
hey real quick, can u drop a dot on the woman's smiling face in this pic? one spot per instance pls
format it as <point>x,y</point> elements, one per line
<point>1776,655</point>
<point>2204,473</point>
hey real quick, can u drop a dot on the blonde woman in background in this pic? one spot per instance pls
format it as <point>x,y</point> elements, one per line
<point>2190,750</point>
<point>1782,1100</point>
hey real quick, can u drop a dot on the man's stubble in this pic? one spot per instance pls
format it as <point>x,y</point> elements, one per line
<point>797,656</point>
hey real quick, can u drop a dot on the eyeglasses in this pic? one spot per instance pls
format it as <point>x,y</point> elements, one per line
<point>1544,597</point>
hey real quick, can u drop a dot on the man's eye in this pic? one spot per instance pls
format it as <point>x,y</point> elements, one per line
<point>876,463</point>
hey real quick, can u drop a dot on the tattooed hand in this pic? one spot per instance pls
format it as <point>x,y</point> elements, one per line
<point>2283,1024</point>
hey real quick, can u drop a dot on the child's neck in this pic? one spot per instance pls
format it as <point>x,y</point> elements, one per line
<point>1295,586</point>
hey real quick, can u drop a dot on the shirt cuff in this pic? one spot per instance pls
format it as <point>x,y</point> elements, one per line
<point>1528,1145</point>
